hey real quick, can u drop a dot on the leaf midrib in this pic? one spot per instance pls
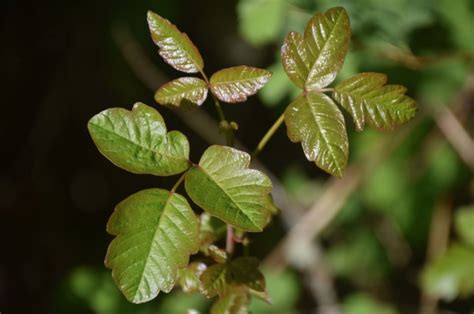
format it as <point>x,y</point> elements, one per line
<point>236,81</point>
<point>157,229</point>
<point>230,197</point>
<point>339,169</point>
<point>325,43</point>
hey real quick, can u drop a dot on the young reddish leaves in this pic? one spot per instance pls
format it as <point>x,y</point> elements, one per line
<point>183,93</point>
<point>368,100</point>
<point>234,84</point>
<point>175,47</point>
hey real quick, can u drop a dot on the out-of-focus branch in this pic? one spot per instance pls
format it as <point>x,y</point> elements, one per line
<point>437,244</point>
<point>409,60</point>
<point>456,135</point>
<point>332,200</point>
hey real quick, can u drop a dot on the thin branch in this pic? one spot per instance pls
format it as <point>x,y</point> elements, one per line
<point>334,197</point>
<point>437,244</point>
<point>268,135</point>
<point>456,135</point>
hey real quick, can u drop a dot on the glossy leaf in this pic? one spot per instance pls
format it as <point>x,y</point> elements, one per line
<point>224,187</point>
<point>183,93</point>
<point>222,279</point>
<point>316,122</point>
<point>464,222</point>
<point>175,47</point>
<point>451,275</point>
<point>295,59</point>
<point>235,84</point>
<point>235,302</point>
<point>327,38</point>
<point>368,100</point>
<point>137,141</point>
<point>313,60</point>
<point>188,278</point>
<point>155,231</point>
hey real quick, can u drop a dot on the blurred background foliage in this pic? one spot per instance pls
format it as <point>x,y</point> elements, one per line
<point>403,241</point>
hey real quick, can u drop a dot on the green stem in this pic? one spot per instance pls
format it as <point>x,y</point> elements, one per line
<point>218,106</point>
<point>268,135</point>
<point>176,185</point>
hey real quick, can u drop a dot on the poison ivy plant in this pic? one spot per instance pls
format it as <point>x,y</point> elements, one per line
<point>156,230</point>
<point>312,61</point>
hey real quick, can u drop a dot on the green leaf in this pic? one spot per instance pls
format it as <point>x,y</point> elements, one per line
<point>188,278</point>
<point>313,60</point>
<point>223,186</point>
<point>184,93</point>
<point>368,100</point>
<point>155,231</point>
<point>234,303</point>
<point>327,38</point>
<point>452,274</point>
<point>464,222</point>
<point>236,83</point>
<point>316,122</point>
<point>137,141</point>
<point>175,47</point>
<point>295,59</point>
<point>222,279</point>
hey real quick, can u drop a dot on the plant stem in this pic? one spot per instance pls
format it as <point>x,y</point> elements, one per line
<point>268,135</point>
<point>176,185</point>
<point>229,139</point>
<point>229,244</point>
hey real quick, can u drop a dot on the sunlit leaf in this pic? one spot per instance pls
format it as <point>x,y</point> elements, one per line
<point>184,93</point>
<point>316,122</point>
<point>451,275</point>
<point>235,84</point>
<point>155,231</point>
<point>223,186</point>
<point>137,141</point>
<point>295,59</point>
<point>222,279</point>
<point>368,100</point>
<point>175,47</point>
<point>464,222</point>
<point>235,302</point>
<point>326,39</point>
<point>188,278</point>
<point>312,60</point>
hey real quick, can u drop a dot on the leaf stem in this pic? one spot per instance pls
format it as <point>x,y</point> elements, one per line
<point>229,244</point>
<point>180,180</point>
<point>268,135</point>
